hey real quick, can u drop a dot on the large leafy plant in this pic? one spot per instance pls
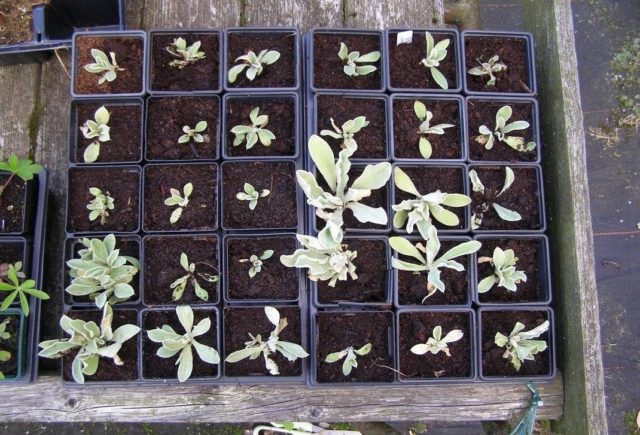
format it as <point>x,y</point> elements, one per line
<point>350,355</point>
<point>436,54</point>
<point>500,132</point>
<point>520,346</point>
<point>426,128</point>
<point>192,276</point>
<point>504,271</point>
<point>503,212</point>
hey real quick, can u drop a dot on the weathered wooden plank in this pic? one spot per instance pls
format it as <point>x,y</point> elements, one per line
<point>382,14</point>
<point>134,11</point>
<point>191,13</point>
<point>304,14</point>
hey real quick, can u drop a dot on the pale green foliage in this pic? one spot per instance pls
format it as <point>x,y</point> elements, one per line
<point>193,133</point>
<point>100,205</point>
<point>92,342</point>
<point>180,284</point>
<point>184,54</point>
<point>488,68</point>
<point>503,212</point>
<point>17,268</point>
<point>96,128</point>
<point>101,272</point>
<point>426,128</point>
<point>354,60</point>
<point>256,261</point>
<point>253,63</point>
<point>254,132</point>
<point>172,342</point>
<point>519,345</point>
<point>504,271</point>
<point>348,130</point>
<point>24,169</point>
<point>436,54</point>
<point>486,136</point>
<point>102,64</point>
<point>254,347</point>
<point>252,195</point>
<point>17,286</point>
<point>4,335</point>
<point>437,343</point>
<point>181,201</point>
<point>349,355</point>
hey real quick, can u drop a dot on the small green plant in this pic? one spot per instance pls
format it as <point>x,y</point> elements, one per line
<point>503,212</point>
<point>504,271</point>
<point>486,136</point>
<point>437,343</point>
<point>96,128</point>
<point>24,169</point>
<point>252,195</point>
<point>256,261</point>
<point>102,64</point>
<point>436,54</point>
<point>253,63</point>
<point>354,60</point>
<point>180,284</point>
<point>92,342</point>
<point>4,335</point>
<point>349,355</point>
<point>348,130</point>
<point>184,54</point>
<point>426,256</point>
<point>519,344</point>
<point>100,205</point>
<point>17,267</point>
<point>426,128</point>
<point>488,68</point>
<point>193,133</point>
<point>19,288</point>
<point>254,132</point>
<point>254,347</point>
<point>172,342</point>
<point>181,201</point>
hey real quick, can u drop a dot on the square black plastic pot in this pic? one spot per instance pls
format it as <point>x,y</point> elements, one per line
<point>529,66</point>
<point>309,40</point>
<point>490,123</point>
<point>260,99</point>
<point>543,265</point>
<point>550,339</point>
<point>20,244</point>
<point>461,124</point>
<point>28,206</point>
<point>75,134</point>
<point>473,348</point>
<point>456,56</point>
<point>21,352</point>
<point>229,59</point>
<point>216,87</point>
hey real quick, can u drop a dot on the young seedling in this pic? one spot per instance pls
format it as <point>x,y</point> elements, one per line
<point>252,195</point>
<point>181,201</point>
<point>436,54</point>
<point>24,169</point>
<point>92,342</point>
<point>19,288</point>
<point>180,284</point>
<point>486,136</point>
<point>102,64</point>
<point>100,205</point>
<point>353,61</point>
<point>426,256</point>
<point>172,342</point>
<point>519,344</point>
<point>488,68</point>
<point>184,54</point>
<point>349,355</point>
<point>4,335</point>
<point>256,261</point>
<point>503,212</point>
<point>437,343</point>
<point>96,128</point>
<point>101,272</point>
<point>426,128</point>
<point>254,132</point>
<point>254,64</point>
<point>254,347</point>
<point>504,271</point>
<point>348,130</point>
<point>193,134</point>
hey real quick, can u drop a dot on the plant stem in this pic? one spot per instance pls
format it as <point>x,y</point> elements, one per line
<point>4,186</point>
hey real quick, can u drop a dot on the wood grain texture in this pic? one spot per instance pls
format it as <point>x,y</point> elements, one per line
<point>303,14</point>
<point>191,14</point>
<point>383,14</point>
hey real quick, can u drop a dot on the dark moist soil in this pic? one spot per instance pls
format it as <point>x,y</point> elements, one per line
<point>122,185</point>
<point>168,115</point>
<point>129,55</point>
<point>281,74</point>
<point>275,281</point>
<point>412,287</point>
<point>240,322</point>
<point>202,75</point>
<point>154,367</point>
<point>202,211</point>
<point>372,271</point>
<point>12,204</point>
<point>405,69</point>
<point>328,67</point>
<point>15,20</point>
<point>513,54</point>
<point>277,210</point>
<point>125,122</point>
<point>372,139</point>
<point>282,123</point>
<point>428,179</point>
<point>107,370</point>
<point>12,252</point>
<point>406,129</point>
<point>527,252</point>
<point>162,267</point>
<point>522,197</point>
<point>484,113</point>
<point>10,368</point>
<point>416,328</point>
<point>338,331</point>
<point>493,364</point>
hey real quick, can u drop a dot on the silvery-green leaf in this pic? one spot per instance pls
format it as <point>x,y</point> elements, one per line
<point>334,357</point>
<point>516,125</point>
<point>403,182</point>
<point>365,214</point>
<point>92,152</point>
<point>234,71</point>
<point>429,42</point>
<point>273,315</point>
<point>475,181</point>
<point>102,115</point>
<point>502,116</point>
<point>420,349</point>
<point>425,148</point>
<point>291,351</point>
<point>364,349</point>
<point>175,215</point>
<point>343,52</point>
<point>453,336</point>
<point>201,327</point>
<point>405,265</point>
<point>439,78</point>
<point>445,216</point>
<point>374,56</point>
<point>322,156</point>
<point>206,353</point>
<point>456,200</point>
<point>373,177</point>
<point>270,57</point>
<point>241,354</point>
<point>365,69</point>
<point>464,248</point>
<point>405,247</point>
<point>506,214</point>
<point>124,333</point>
<point>486,283</point>
<point>201,126</point>
<point>185,364</point>
<point>185,316</point>
<point>349,69</point>
<point>420,109</point>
